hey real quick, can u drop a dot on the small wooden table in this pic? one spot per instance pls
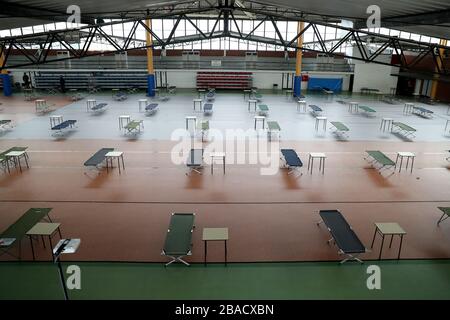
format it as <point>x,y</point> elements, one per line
<point>321,157</point>
<point>215,234</point>
<point>301,106</point>
<point>262,119</point>
<point>44,229</point>
<point>109,159</point>
<point>386,122</point>
<point>407,155</point>
<point>250,101</point>
<point>386,229</point>
<point>199,101</point>
<point>191,118</point>
<point>353,107</point>
<point>324,119</point>
<point>217,156</point>
<point>15,156</point>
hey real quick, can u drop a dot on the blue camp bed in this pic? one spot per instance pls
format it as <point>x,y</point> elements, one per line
<point>178,243</point>
<point>120,96</point>
<point>5,124</point>
<point>423,112</point>
<point>300,97</point>
<point>342,234</point>
<point>68,124</point>
<point>315,110</point>
<point>291,161</point>
<point>210,96</point>
<point>151,108</point>
<point>195,160</point>
<point>99,107</point>
<point>208,108</point>
<point>97,159</point>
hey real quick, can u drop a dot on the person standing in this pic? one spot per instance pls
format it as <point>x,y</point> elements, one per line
<point>62,84</point>
<point>26,81</point>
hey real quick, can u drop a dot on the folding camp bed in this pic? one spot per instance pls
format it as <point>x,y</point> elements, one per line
<point>273,127</point>
<point>208,108</point>
<point>263,110</point>
<point>258,97</point>
<point>340,128</point>
<point>53,90</point>
<point>41,106</point>
<point>120,96</point>
<point>427,100</point>
<point>95,162</point>
<point>132,90</point>
<point>210,96</point>
<point>195,160</point>
<point>388,99</point>
<point>5,124</point>
<point>151,108</point>
<point>134,126</point>
<point>68,124</point>
<point>75,95</point>
<point>367,110</point>
<point>342,235</point>
<point>445,214</point>
<point>423,112</point>
<point>315,110</point>
<point>178,242</point>
<point>100,107</point>
<point>291,161</point>
<point>380,161</point>
<point>404,130</point>
<point>203,126</point>
<point>18,230</point>
<point>172,89</point>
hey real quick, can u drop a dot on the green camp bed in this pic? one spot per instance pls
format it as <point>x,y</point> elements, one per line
<point>179,237</point>
<point>367,110</point>
<point>18,230</point>
<point>134,126</point>
<point>203,126</point>
<point>263,110</point>
<point>258,97</point>
<point>380,161</point>
<point>273,127</point>
<point>340,128</point>
<point>445,214</point>
<point>403,129</point>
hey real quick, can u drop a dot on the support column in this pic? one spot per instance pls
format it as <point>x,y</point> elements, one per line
<point>435,82</point>
<point>298,62</point>
<point>150,70</point>
<point>6,79</point>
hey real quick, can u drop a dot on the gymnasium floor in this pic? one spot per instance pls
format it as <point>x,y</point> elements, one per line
<point>271,218</point>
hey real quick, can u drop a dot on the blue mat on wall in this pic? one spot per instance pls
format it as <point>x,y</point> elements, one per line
<point>333,84</point>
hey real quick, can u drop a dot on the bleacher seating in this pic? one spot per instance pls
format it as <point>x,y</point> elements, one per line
<point>84,79</point>
<point>224,80</point>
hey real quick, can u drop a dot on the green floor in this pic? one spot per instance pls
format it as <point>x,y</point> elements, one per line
<point>411,279</point>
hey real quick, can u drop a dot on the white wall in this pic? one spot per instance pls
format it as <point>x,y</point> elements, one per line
<point>374,76</point>
<point>261,79</point>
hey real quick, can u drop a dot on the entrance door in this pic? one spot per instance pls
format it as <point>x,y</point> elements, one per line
<point>287,81</point>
